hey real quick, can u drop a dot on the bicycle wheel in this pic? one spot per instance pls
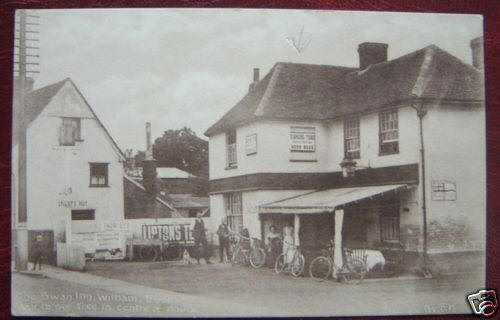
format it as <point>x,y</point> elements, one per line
<point>239,258</point>
<point>320,268</point>
<point>148,253</point>
<point>298,264</point>
<point>355,272</point>
<point>280,264</point>
<point>257,257</point>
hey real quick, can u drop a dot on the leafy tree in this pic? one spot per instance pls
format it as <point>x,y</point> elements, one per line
<point>184,150</point>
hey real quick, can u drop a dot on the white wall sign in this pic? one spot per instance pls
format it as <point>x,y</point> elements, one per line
<point>251,144</point>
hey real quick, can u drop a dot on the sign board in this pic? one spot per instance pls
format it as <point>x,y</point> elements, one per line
<point>181,233</point>
<point>303,139</point>
<point>251,144</point>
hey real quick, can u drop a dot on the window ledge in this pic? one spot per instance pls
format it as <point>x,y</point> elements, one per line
<point>381,154</point>
<point>99,186</point>
<point>303,160</point>
<point>231,167</point>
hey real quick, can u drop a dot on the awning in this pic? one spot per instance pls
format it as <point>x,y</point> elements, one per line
<point>326,200</point>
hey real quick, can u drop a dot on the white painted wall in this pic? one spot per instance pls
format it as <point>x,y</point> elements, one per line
<point>274,155</point>
<point>369,141</point>
<point>456,150</point>
<point>52,168</point>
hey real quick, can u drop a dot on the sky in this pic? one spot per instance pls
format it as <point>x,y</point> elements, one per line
<point>187,67</point>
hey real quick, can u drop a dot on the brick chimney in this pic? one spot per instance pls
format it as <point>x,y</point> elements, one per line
<point>149,168</point>
<point>371,53</point>
<point>477,46</point>
<point>256,78</point>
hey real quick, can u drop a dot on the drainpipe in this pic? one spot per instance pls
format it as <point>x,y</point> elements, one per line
<point>421,112</point>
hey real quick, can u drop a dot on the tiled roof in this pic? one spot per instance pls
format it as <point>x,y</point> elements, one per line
<point>172,172</point>
<point>180,201</point>
<point>321,92</point>
<point>37,100</point>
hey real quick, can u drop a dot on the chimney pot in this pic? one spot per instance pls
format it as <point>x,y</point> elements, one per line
<point>371,53</point>
<point>256,74</point>
<point>477,46</point>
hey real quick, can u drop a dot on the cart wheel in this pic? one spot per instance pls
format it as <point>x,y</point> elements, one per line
<point>149,253</point>
<point>280,264</point>
<point>355,272</point>
<point>298,264</point>
<point>257,257</point>
<point>320,268</point>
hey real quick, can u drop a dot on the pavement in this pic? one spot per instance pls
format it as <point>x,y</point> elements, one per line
<point>184,304</point>
<point>172,289</point>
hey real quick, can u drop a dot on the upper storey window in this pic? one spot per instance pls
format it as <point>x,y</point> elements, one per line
<point>303,139</point>
<point>389,132</point>
<point>231,157</point>
<point>69,131</point>
<point>351,138</point>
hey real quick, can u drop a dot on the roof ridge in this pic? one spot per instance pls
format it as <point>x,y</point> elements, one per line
<point>259,111</point>
<point>422,78</point>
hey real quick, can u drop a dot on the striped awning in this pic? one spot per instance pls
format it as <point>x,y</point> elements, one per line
<point>326,200</point>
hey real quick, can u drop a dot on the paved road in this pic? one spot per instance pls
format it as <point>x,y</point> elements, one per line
<point>33,295</point>
<point>300,296</point>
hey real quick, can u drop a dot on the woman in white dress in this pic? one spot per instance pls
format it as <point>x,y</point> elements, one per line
<point>288,243</point>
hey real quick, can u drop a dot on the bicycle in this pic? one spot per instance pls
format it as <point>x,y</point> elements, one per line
<point>243,255</point>
<point>295,266</point>
<point>353,269</point>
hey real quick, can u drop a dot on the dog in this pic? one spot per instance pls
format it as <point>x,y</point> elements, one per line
<point>186,258</point>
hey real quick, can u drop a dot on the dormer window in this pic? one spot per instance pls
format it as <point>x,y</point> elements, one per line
<point>231,157</point>
<point>351,138</point>
<point>69,131</point>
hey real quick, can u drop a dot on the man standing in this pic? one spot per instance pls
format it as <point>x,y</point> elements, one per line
<point>200,239</point>
<point>37,252</point>
<point>223,233</point>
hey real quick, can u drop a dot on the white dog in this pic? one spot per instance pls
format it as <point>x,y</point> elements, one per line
<point>186,258</point>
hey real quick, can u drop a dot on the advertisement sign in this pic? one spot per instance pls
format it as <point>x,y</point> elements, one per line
<point>176,233</point>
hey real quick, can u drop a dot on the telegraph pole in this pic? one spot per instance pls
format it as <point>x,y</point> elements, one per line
<point>19,159</point>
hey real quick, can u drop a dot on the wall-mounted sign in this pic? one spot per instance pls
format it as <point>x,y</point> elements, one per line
<point>251,144</point>
<point>72,203</point>
<point>444,190</point>
<point>303,139</point>
<point>168,232</point>
<point>115,225</point>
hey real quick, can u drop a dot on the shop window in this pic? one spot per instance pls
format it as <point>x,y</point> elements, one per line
<point>443,190</point>
<point>234,210</point>
<point>69,131</point>
<point>351,138</point>
<point>303,139</point>
<point>389,132</point>
<point>389,224</point>
<point>232,159</point>
<point>98,174</point>
<point>83,214</point>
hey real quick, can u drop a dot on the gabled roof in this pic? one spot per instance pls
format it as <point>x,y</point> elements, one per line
<point>161,201</point>
<point>172,172</point>
<point>188,201</point>
<point>37,100</point>
<point>320,92</point>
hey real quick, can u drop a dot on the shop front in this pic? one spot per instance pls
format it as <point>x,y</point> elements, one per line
<point>362,218</point>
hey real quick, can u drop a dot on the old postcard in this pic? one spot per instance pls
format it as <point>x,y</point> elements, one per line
<point>224,162</point>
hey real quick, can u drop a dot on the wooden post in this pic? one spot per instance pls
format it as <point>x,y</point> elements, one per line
<point>296,228</point>
<point>337,255</point>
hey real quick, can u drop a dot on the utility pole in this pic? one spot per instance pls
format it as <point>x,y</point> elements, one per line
<point>22,84</point>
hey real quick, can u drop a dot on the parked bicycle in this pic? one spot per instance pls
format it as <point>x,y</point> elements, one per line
<point>292,260</point>
<point>246,250</point>
<point>353,269</point>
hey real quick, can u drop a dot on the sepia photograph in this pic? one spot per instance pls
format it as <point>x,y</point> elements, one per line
<point>201,162</point>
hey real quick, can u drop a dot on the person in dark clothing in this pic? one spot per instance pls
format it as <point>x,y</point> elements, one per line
<point>37,252</point>
<point>223,233</point>
<point>200,240</point>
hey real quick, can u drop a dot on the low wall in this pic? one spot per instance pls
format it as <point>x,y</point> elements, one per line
<point>446,263</point>
<point>70,256</point>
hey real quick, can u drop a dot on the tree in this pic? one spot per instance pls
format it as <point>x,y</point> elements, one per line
<point>184,150</point>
